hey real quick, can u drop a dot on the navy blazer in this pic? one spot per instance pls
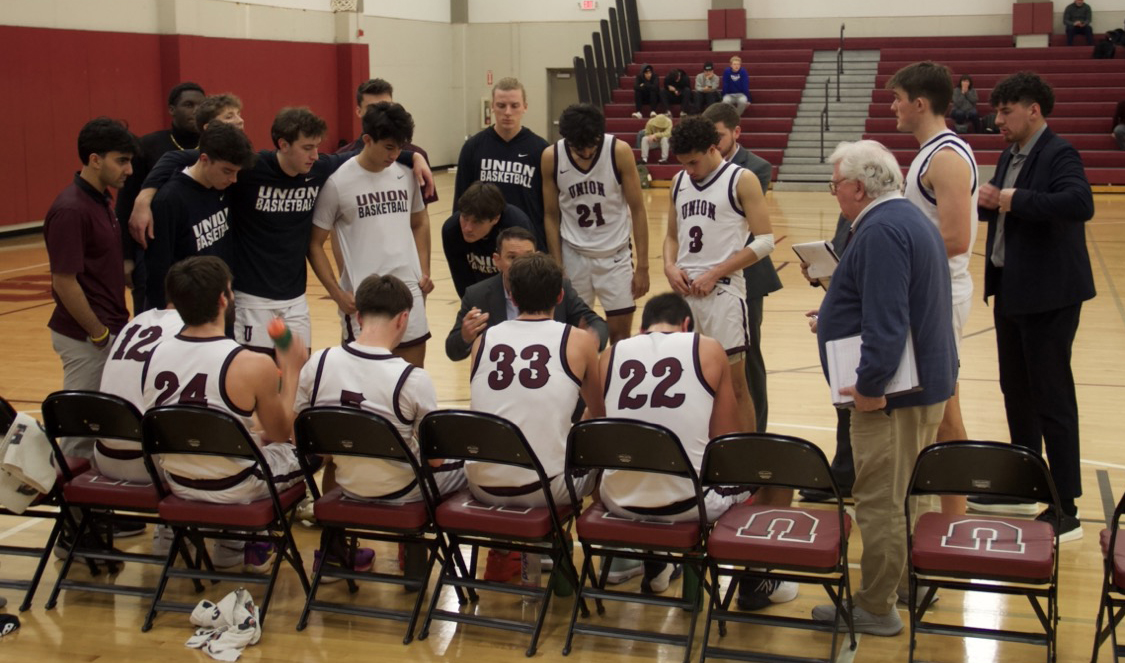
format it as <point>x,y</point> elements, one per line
<point>1046,264</point>
<point>488,296</point>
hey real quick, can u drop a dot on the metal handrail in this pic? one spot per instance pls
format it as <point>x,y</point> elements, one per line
<point>840,62</point>
<point>824,117</point>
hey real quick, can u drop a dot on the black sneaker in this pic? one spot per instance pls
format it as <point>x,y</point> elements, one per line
<point>1070,528</point>
<point>1002,506</point>
<point>754,594</point>
<point>814,495</point>
<point>124,527</point>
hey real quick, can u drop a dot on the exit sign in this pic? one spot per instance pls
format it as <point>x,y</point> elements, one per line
<point>588,5</point>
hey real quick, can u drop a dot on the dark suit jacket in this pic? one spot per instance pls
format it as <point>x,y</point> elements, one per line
<point>1046,265</point>
<point>761,277</point>
<point>488,296</point>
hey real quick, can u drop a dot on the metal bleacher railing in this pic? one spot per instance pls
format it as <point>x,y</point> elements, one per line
<point>824,128</point>
<point>598,72</point>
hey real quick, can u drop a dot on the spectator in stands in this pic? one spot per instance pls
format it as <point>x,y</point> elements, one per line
<point>1119,125</point>
<point>707,86</point>
<point>657,130</point>
<point>1076,18</point>
<point>676,90</point>
<point>736,85</point>
<point>646,91</point>
<point>965,105</point>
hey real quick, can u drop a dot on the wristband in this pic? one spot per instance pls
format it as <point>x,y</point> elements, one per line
<point>100,339</point>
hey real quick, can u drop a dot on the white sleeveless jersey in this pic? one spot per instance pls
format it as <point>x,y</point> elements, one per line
<point>132,348</point>
<point>521,374</point>
<point>593,214</point>
<point>124,369</point>
<point>711,224</point>
<point>657,378</point>
<point>924,199</point>
<point>192,371</point>
<point>371,215</point>
<point>377,381</point>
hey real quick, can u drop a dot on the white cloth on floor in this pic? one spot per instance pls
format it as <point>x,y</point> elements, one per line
<point>226,627</point>
<point>27,466</point>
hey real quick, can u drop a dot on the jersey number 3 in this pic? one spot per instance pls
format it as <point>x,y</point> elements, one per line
<point>534,376</point>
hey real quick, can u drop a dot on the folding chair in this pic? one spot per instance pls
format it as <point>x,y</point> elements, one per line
<point>97,497</point>
<point>795,544</point>
<point>1017,557</point>
<point>200,431</point>
<point>628,444</point>
<point>47,507</point>
<point>350,432</point>
<point>477,436</point>
<point>1112,606</point>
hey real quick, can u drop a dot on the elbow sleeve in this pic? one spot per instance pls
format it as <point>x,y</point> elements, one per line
<point>762,245</point>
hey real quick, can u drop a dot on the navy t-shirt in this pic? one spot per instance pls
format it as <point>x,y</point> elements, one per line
<point>513,165</point>
<point>471,263</point>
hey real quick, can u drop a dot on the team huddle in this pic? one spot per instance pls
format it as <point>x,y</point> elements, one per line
<point>539,233</point>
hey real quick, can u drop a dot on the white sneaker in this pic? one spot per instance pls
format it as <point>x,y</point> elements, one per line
<point>638,115</point>
<point>652,113</point>
<point>658,584</point>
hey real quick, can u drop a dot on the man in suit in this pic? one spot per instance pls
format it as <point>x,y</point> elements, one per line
<point>488,303</point>
<point>1038,270</point>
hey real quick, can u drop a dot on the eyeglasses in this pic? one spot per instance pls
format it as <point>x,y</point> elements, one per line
<point>835,184</point>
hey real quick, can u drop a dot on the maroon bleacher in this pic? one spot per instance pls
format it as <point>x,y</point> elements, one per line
<point>1086,91</point>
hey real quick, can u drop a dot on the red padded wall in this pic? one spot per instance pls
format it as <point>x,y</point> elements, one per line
<point>62,78</point>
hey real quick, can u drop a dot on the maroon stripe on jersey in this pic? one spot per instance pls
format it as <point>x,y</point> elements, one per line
<point>699,366</point>
<point>480,351</point>
<point>223,383</point>
<point>398,392</point>
<point>562,357</point>
<point>613,158</point>
<point>609,370</point>
<point>319,373</point>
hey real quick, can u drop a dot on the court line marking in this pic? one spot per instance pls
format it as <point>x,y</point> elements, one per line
<point>31,522</point>
<point>847,654</point>
<point>20,269</point>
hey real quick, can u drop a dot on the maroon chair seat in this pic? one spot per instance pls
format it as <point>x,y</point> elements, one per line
<point>255,515</point>
<point>1118,557</point>
<point>777,536</point>
<point>99,490</point>
<point>463,513</point>
<point>76,465</point>
<point>1007,549</point>
<point>598,526</point>
<point>336,508</point>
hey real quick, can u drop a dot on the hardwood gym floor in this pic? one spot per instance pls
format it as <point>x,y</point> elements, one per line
<point>92,627</point>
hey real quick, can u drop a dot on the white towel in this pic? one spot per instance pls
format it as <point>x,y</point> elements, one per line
<point>226,627</point>
<point>27,466</point>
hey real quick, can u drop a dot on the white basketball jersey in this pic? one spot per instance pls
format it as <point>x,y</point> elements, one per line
<point>594,217</point>
<point>377,381</point>
<point>711,224</point>
<point>132,348</point>
<point>657,378</point>
<point>924,199</point>
<point>521,374</point>
<point>371,215</point>
<point>192,371</point>
<point>124,369</point>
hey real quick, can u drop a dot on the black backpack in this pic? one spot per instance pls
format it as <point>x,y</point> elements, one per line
<point>988,124</point>
<point>1116,36</point>
<point>1105,49</point>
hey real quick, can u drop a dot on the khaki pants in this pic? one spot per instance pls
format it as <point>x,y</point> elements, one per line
<point>885,446</point>
<point>82,369</point>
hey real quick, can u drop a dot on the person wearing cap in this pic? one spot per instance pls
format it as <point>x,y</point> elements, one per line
<point>707,86</point>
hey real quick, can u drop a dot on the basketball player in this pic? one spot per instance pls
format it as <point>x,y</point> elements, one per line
<point>669,376</point>
<point>530,371</point>
<point>590,191</point>
<point>122,376</point>
<point>366,375</point>
<point>942,182</point>
<point>507,154</point>
<point>191,214</point>
<point>713,206</point>
<point>376,208</point>
<point>200,366</point>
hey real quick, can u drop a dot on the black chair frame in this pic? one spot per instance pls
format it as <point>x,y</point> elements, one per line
<point>1111,609</point>
<point>94,414</point>
<point>765,459</point>
<point>479,436</point>
<point>999,470</point>
<point>629,444</point>
<point>348,431</point>
<point>202,431</point>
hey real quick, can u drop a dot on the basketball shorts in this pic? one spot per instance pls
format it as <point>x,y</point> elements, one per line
<point>610,279</point>
<point>722,316</point>
<point>960,317</point>
<point>252,315</point>
<point>716,501</point>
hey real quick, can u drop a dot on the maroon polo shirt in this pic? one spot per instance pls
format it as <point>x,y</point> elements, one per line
<point>84,238</point>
